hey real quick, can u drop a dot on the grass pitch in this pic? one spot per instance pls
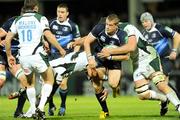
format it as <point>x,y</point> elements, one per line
<point>87,108</point>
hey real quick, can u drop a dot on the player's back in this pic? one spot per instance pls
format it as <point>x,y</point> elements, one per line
<point>30,28</point>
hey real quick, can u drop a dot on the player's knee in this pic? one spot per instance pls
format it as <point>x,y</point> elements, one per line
<point>2,78</point>
<point>19,73</point>
<point>63,85</point>
<point>143,92</point>
<point>113,85</point>
<point>158,77</point>
<point>97,88</point>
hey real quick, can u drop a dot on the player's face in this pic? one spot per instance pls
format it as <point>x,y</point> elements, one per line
<point>111,27</point>
<point>62,14</point>
<point>147,24</point>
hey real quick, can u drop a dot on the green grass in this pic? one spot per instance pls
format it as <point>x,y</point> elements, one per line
<point>87,108</point>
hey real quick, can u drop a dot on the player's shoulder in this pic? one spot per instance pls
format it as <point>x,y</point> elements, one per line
<point>39,17</point>
<point>52,21</point>
<point>159,26</point>
<point>72,23</point>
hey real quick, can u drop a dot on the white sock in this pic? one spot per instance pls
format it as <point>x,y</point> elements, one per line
<point>173,98</point>
<point>45,92</point>
<point>157,96</point>
<point>31,94</point>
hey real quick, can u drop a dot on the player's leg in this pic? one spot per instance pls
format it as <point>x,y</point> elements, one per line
<point>114,77</point>
<point>100,92</point>
<point>52,106</point>
<point>46,89</point>
<point>2,75</point>
<point>31,95</point>
<point>167,66</point>
<point>2,68</point>
<point>158,79</point>
<point>18,73</point>
<point>63,91</point>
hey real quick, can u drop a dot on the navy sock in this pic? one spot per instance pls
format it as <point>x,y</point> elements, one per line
<point>63,94</point>
<point>102,103</point>
<point>21,102</point>
<point>50,99</point>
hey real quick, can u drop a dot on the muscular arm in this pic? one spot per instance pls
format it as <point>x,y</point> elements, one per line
<point>120,57</point>
<point>130,46</point>
<point>176,40</point>
<point>87,42</point>
<point>2,33</point>
<point>8,40</point>
<point>77,47</point>
<point>51,38</point>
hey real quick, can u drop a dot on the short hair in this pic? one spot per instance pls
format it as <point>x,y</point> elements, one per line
<point>146,16</point>
<point>30,4</point>
<point>63,5</point>
<point>22,11</point>
<point>113,17</point>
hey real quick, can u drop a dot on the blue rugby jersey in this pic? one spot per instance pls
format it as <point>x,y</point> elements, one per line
<point>159,36</point>
<point>64,32</point>
<point>118,39</point>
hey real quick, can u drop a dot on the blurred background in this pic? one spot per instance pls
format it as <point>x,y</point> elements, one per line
<point>86,13</point>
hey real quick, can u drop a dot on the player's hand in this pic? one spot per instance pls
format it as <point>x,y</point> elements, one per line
<point>173,55</point>
<point>46,47</point>
<point>104,53</point>
<point>70,45</point>
<point>62,52</point>
<point>92,72</point>
<point>91,62</point>
<point>11,61</point>
<point>105,94</point>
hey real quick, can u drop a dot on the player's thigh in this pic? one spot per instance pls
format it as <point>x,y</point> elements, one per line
<point>114,77</point>
<point>48,75</point>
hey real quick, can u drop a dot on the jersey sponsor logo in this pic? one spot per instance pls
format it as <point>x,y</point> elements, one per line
<point>65,29</point>
<point>102,38</point>
<point>112,42</point>
<point>154,35</point>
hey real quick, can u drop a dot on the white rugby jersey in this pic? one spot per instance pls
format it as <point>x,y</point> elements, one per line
<point>30,27</point>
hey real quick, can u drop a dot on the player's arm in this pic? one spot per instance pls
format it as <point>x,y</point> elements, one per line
<point>78,42</point>
<point>51,39</point>
<point>2,33</point>
<point>8,40</point>
<point>87,47</point>
<point>11,59</point>
<point>176,40</point>
<point>77,47</point>
<point>176,43</point>
<point>119,57</point>
<point>130,46</point>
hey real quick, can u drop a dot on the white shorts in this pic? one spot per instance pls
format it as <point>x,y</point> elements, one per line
<point>38,63</point>
<point>146,68</point>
